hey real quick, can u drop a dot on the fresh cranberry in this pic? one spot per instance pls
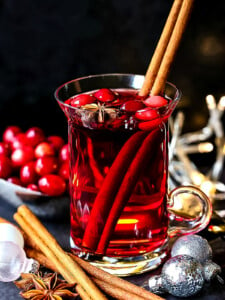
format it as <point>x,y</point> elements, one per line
<point>81,100</point>
<point>52,185</point>
<point>33,187</point>
<point>5,149</point>
<point>46,165</point>
<point>14,180</point>
<point>19,141</point>
<point>10,133</point>
<point>56,141</point>
<point>64,171</point>
<point>156,101</point>
<point>22,155</point>
<point>105,95</point>
<point>44,149</point>
<point>28,174</point>
<point>5,167</point>
<point>132,105</point>
<point>147,114</point>
<point>64,153</point>
<point>67,101</point>
<point>35,136</point>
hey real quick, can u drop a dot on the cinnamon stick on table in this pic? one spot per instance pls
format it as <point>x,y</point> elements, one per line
<point>65,265</point>
<point>112,285</point>
<point>116,287</point>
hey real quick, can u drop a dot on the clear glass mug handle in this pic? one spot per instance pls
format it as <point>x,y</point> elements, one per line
<point>190,210</point>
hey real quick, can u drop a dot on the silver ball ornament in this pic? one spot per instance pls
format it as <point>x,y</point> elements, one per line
<point>182,276</point>
<point>193,245</point>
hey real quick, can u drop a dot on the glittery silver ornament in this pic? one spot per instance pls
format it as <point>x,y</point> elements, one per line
<point>193,245</point>
<point>182,276</point>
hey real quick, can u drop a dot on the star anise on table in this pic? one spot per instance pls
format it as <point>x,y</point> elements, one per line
<point>47,287</point>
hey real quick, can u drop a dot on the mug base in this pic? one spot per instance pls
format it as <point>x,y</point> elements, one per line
<point>125,266</point>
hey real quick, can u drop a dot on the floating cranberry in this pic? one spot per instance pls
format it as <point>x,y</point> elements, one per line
<point>35,136</point>
<point>132,105</point>
<point>64,153</point>
<point>146,114</point>
<point>22,155</point>
<point>46,165</point>
<point>82,99</point>
<point>105,95</point>
<point>52,185</point>
<point>156,101</point>
<point>28,174</point>
<point>67,101</point>
<point>5,167</point>
<point>10,133</point>
<point>56,141</point>
<point>150,125</point>
<point>44,149</point>
<point>64,171</point>
<point>5,149</point>
<point>19,141</point>
<point>33,187</point>
<point>14,180</point>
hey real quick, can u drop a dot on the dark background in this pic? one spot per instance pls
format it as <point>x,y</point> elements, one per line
<point>46,43</point>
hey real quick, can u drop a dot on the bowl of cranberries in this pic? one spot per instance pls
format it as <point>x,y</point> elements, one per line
<point>33,166</point>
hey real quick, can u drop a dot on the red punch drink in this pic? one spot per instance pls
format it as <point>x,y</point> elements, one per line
<point>119,164</point>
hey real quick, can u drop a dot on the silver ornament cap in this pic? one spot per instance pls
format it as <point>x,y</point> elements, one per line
<point>211,270</point>
<point>155,284</point>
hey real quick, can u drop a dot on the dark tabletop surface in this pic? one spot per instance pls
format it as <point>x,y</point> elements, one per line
<point>59,227</point>
<point>92,37</point>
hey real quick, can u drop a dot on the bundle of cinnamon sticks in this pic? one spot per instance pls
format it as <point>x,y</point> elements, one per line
<point>43,247</point>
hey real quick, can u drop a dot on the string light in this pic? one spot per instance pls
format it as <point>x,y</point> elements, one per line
<point>182,170</point>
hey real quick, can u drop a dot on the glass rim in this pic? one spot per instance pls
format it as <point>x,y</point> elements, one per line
<point>59,88</point>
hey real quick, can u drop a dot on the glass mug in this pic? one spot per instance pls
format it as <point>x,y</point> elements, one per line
<point>122,215</point>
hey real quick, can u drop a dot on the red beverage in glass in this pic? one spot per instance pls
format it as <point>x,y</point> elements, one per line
<point>118,171</point>
<point>142,224</point>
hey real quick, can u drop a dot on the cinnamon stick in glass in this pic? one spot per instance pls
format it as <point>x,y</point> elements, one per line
<point>160,48</point>
<point>166,49</point>
<point>172,47</point>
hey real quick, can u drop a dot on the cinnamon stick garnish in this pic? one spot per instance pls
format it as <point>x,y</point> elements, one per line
<point>163,57</point>
<point>172,47</point>
<point>65,265</point>
<point>142,157</point>
<point>160,48</point>
<point>106,194</point>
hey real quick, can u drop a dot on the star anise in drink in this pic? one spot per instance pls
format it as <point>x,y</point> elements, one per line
<point>47,287</point>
